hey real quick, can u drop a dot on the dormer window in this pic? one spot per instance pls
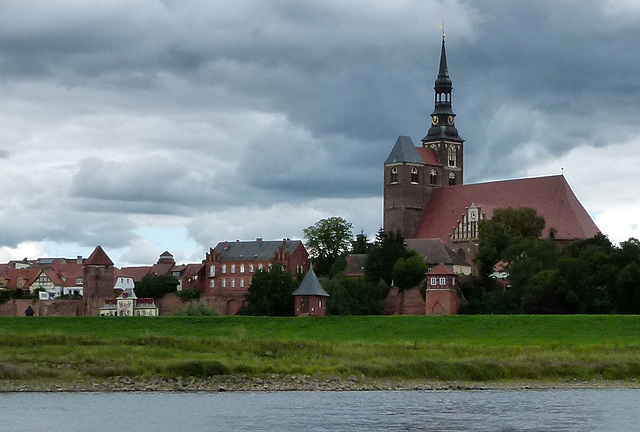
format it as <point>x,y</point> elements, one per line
<point>414,175</point>
<point>394,175</point>
<point>433,177</point>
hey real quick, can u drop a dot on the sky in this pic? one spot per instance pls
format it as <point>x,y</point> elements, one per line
<point>146,126</point>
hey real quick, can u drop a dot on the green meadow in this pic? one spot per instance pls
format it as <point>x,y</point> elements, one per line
<point>480,348</point>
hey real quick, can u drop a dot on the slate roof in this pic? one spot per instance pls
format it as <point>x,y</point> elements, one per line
<point>436,251</point>
<point>254,250</point>
<point>404,151</point>
<point>551,196</point>
<point>310,286</point>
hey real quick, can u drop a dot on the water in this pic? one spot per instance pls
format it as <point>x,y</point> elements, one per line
<point>496,410</point>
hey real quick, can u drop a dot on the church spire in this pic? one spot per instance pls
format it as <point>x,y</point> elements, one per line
<point>443,117</point>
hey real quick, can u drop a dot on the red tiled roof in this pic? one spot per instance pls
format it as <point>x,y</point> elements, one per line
<point>440,270</point>
<point>136,273</point>
<point>429,156</point>
<point>98,257</point>
<point>551,197</point>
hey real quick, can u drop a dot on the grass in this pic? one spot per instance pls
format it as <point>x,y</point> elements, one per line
<point>465,348</point>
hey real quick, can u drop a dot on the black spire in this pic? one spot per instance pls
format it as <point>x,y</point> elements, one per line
<point>442,117</point>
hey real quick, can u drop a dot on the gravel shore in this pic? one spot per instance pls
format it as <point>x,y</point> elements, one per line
<point>290,383</point>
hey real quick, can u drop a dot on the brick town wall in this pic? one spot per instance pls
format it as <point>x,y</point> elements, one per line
<point>42,308</point>
<point>442,302</point>
<point>169,304</point>
<point>411,304</point>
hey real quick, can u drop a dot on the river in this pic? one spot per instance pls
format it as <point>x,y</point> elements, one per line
<point>483,410</point>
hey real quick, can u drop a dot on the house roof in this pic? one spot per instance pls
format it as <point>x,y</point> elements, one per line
<point>440,270</point>
<point>254,250</point>
<point>550,196</point>
<point>98,257</point>
<point>310,286</point>
<point>428,156</point>
<point>436,251</point>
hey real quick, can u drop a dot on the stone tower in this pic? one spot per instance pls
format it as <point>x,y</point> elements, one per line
<point>411,173</point>
<point>98,281</point>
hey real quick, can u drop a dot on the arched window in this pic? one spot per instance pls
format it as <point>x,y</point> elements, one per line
<point>414,175</point>
<point>394,175</point>
<point>452,179</point>
<point>233,268</point>
<point>452,156</point>
<point>224,268</point>
<point>433,177</point>
<point>233,283</point>
<point>241,268</point>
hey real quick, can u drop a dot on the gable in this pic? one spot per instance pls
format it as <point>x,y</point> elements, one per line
<point>551,197</point>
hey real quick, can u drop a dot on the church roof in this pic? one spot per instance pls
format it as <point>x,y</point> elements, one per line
<point>435,251</point>
<point>404,151</point>
<point>98,257</point>
<point>310,286</point>
<point>429,156</point>
<point>550,196</point>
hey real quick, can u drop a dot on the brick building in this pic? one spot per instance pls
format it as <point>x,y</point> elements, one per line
<point>425,196</point>
<point>230,266</point>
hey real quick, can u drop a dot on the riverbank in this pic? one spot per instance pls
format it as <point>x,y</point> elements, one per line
<point>275,383</point>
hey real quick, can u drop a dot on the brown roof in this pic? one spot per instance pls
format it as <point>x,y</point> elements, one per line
<point>429,156</point>
<point>436,251</point>
<point>440,270</point>
<point>136,273</point>
<point>98,257</point>
<point>551,197</point>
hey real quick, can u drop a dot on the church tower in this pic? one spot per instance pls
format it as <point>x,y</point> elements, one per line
<point>411,173</point>
<point>442,136</point>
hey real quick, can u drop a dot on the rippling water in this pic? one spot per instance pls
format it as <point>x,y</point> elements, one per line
<point>495,410</point>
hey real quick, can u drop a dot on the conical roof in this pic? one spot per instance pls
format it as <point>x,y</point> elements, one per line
<point>98,257</point>
<point>310,286</point>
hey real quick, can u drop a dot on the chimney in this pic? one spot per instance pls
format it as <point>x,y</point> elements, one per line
<point>79,259</point>
<point>259,240</point>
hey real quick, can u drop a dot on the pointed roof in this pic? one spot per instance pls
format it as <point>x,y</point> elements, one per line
<point>440,270</point>
<point>98,257</point>
<point>404,151</point>
<point>310,286</point>
<point>551,197</point>
<point>443,79</point>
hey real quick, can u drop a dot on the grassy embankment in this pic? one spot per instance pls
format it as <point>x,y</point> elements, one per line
<point>464,348</point>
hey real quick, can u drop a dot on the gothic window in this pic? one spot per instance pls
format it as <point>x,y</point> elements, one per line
<point>233,283</point>
<point>241,268</point>
<point>452,156</point>
<point>414,175</point>
<point>212,271</point>
<point>224,268</point>
<point>394,175</point>
<point>233,268</point>
<point>433,177</point>
<point>250,268</point>
<point>241,283</point>
<point>452,179</point>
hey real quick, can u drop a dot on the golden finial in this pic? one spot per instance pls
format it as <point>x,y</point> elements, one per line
<point>442,27</point>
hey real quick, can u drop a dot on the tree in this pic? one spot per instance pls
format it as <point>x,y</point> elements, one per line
<point>156,285</point>
<point>498,235</point>
<point>354,296</point>
<point>361,244</point>
<point>409,271</point>
<point>382,256</point>
<point>270,293</point>
<point>326,240</point>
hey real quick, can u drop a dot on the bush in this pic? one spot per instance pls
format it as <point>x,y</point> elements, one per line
<point>197,308</point>
<point>189,295</point>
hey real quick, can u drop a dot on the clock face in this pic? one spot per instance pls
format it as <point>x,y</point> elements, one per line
<point>450,120</point>
<point>435,120</point>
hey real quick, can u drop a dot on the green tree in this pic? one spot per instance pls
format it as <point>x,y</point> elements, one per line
<point>354,296</point>
<point>498,236</point>
<point>382,256</point>
<point>270,293</point>
<point>156,285</point>
<point>361,244</point>
<point>409,271</point>
<point>326,240</point>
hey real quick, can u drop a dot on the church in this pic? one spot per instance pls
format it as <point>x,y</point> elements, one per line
<point>425,196</point>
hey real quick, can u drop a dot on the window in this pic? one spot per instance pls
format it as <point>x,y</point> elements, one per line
<point>434,281</point>
<point>443,281</point>
<point>414,175</point>
<point>233,268</point>
<point>212,283</point>
<point>224,283</point>
<point>241,283</point>
<point>394,175</point>
<point>212,271</point>
<point>233,283</point>
<point>452,179</point>
<point>260,267</point>
<point>250,268</point>
<point>452,156</point>
<point>79,281</point>
<point>433,177</point>
<point>453,281</point>
<point>224,268</point>
<point>241,268</point>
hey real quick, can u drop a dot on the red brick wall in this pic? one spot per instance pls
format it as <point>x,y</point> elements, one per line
<point>442,302</point>
<point>408,303</point>
<point>317,306</point>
